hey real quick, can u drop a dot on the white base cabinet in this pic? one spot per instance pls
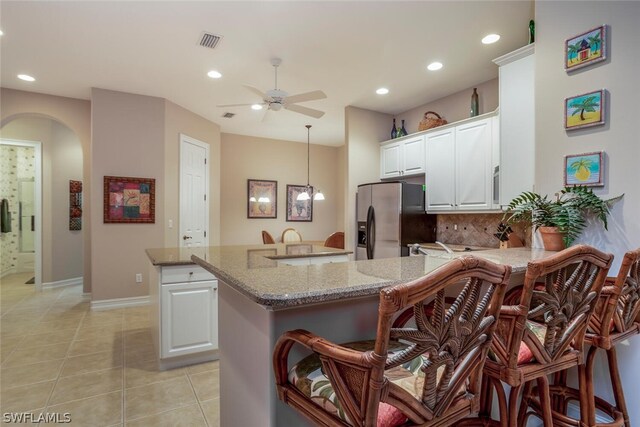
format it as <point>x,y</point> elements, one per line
<point>189,318</point>
<point>186,326</point>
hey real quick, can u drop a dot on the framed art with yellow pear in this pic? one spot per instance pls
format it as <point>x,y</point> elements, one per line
<point>584,169</point>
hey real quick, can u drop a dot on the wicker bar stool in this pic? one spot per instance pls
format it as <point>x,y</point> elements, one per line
<point>542,334</point>
<point>615,319</point>
<point>427,375</point>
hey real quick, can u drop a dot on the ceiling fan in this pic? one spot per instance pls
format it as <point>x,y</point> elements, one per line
<point>276,99</point>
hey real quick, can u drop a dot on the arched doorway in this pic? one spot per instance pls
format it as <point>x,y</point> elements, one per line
<point>60,254</point>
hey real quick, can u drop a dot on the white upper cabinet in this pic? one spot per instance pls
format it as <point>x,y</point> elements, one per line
<point>517,122</point>
<point>459,166</point>
<point>473,165</point>
<point>440,176</point>
<point>402,157</point>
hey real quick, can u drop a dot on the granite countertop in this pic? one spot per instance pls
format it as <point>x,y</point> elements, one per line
<point>275,286</point>
<point>453,247</point>
<point>182,256</point>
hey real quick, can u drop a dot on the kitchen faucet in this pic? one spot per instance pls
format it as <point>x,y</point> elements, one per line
<point>445,247</point>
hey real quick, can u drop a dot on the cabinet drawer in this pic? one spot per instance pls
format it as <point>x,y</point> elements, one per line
<point>185,273</point>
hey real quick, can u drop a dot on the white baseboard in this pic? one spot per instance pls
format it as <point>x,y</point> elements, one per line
<point>61,283</point>
<point>7,272</point>
<point>109,304</point>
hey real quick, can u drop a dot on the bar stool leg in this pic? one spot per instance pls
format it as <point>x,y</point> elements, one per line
<point>545,401</point>
<point>618,393</point>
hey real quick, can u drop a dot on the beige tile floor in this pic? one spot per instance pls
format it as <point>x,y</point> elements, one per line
<point>58,356</point>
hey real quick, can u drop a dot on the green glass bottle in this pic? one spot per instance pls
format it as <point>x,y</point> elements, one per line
<point>532,31</point>
<point>474,103</point>
<point>404,131</point>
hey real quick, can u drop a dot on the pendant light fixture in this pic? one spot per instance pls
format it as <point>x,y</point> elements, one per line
<point>310,190</point>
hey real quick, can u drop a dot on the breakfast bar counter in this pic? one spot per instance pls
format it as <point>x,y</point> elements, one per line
<point>259,299</point>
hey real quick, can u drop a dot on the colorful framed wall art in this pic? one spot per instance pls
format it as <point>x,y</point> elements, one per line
<point>584,169</point>
<point>75,205</point>
<point>584,110</point>
<point>298,210</point>
<point>262,198</point>
<point>585,49</point>
<point>129,200</point>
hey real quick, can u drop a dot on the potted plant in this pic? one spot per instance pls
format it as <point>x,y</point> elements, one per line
<point>562,220</point>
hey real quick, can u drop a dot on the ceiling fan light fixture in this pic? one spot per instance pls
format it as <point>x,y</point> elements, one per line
<point>490,38</point>
<point>434,66</point>
<point>214,74</point>
<point>256,107</point>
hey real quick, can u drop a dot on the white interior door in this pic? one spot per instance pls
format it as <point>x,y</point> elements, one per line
<point>194,192</point>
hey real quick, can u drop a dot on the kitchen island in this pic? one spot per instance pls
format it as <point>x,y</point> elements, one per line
<point>184,296</point>
<point>338,301</point>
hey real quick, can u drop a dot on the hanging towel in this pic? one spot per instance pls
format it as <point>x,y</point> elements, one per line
<point>5,217</point>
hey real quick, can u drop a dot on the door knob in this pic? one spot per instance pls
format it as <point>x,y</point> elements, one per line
<point>185,237</point>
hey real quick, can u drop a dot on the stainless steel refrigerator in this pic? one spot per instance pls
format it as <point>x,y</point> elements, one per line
<point>390,216</point>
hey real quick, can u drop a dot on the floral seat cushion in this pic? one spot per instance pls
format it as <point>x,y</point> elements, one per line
<point>308,377</point>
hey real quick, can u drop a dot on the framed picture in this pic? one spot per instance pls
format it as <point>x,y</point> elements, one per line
<point>75,205</point>
<point>129,200</point>
<point>584,169</point>
<point>262,198</point>
<point>585,49</point>
<point>585,110</point>
<point>298,210</point>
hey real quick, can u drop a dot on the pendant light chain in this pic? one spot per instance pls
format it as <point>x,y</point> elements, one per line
<point>308,157</point>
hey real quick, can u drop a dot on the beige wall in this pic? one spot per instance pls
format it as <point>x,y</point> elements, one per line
<point>74,113</point>
<point>127,140</point>
<point>555,22</point>
<point>179,120</point>
<point>62,249</point>
<point>364,129</point>
<point>286,162</point>
<point>453,107</point>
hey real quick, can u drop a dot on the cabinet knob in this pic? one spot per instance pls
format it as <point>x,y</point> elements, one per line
<point>185,237</point>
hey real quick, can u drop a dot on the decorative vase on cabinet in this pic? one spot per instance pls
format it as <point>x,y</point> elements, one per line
<point>474,103</point>
<point>394,130</point>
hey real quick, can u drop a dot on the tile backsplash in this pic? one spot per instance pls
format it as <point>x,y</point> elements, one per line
<point>475,230</point>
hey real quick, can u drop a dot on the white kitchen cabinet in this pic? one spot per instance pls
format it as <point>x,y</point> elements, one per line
<point>404,157</point>
<point>517,123</point>
<point>440,175</point>
<point>186,327</point>
<point>459,166</point>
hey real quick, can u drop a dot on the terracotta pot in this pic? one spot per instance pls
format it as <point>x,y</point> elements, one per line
<point>552,239</point>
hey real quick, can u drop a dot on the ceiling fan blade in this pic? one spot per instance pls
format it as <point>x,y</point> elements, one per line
<point>305,110</point>
<point>234,105</point>
<point>307,96</point>
<point>258,92</point>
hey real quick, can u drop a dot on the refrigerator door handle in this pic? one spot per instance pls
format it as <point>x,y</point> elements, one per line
<point>371,234</point>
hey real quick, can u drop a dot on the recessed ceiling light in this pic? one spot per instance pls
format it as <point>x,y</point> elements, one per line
<point>1,33</point>
<point>26,78</point>
<point>214,74</point>
<point>434,66</point>
<point>256,107</point>
<point>382,91</point>
<point>491,38</point>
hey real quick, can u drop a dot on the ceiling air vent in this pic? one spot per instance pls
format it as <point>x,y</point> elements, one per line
<point>209,40</point>
<point>228,115</point>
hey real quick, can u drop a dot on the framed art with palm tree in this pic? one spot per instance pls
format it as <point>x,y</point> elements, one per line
<point>585,49</point>
<point>584,169</point>
<point>584,110</point>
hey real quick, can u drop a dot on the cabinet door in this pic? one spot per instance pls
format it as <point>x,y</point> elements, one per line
<point>439,175</point>
<point>390,160</point>
<point>189,318</point>
<point>413,156</point>
<point>473,165</point>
